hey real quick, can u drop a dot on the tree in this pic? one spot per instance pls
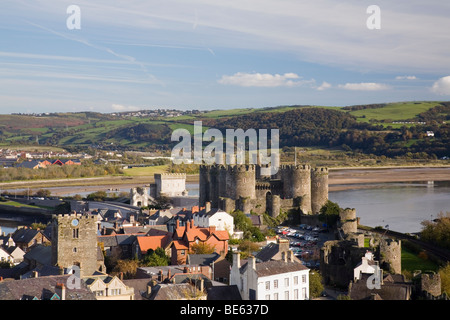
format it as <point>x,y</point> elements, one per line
<point>44,193</point>
<point>444,272</point>
<point>97,196</point>
<point>247,247</point>
<point>315,284</point>
<point>329,213</point>
<point>155,258</point>
<point>202,248</point>
<point>127,267</point>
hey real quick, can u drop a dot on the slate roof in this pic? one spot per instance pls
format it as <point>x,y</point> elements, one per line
<point>139,286</point>
<point>202,259</point>
<point>264,269</point>
<point>223,293</point>
<point>24,235</point>
<point>394,287</point>
<point>171,291</point>
<point>42,288</point>
<point>40,253</point>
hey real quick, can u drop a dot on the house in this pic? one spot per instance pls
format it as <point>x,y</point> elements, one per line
<point>220,267</point>
<point>271,280</point>
<point>392,287</point>
<point>5,256</point>
<point>366,266</point>
<point>214,217</point>
<point>106,287</point>
<point>32,164</point>
<point>274,251</point>
<point>185,237</point>
<point>153,240</point>
<point>26,237</point>
<point>43,288</point>
<point>15,253</point>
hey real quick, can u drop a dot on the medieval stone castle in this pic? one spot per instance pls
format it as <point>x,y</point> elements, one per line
<point>245,188</point>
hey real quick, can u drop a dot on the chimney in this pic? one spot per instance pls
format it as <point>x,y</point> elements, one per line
<point>188,225</point>
<point>201,285</point>
<point>207,207</point>
<point>283,245</point>
<point>161,276</point>
<point>35,274</point>
<point>252,262</point>
<point>291,256</point>
<point>178,223</point>
<point>237,259</point>
<point>192,223</point>
<point>169,274</point>
<point>212,229</point>
<point>284,256</point>
<point>61,291</point>
<point>121,276</point>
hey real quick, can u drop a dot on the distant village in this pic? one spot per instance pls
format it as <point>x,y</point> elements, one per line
<point>67,259</point>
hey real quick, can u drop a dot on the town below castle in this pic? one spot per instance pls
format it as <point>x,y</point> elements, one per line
<point>246,236</point>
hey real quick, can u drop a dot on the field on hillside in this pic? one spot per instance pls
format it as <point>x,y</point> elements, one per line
<point>394,111</point>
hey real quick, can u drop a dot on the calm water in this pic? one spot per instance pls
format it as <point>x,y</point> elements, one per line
<point>402,206</point>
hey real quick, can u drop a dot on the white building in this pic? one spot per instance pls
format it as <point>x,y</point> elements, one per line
<point>214,217</point>
<point>169,184</point>
<point>366,266</point>
<point>272,280</point>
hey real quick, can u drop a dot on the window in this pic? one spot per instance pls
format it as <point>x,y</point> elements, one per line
<point>304,278</point>
<point>267,296</point>
<point>296,280</point>
<point>74,250</point>
<point>75,233</point>
<point>99,293</point>
<point>286,295</point>
<point>183,252</point>
<point>275,296</point>
<point>286,282</point>
<point>267,285</point>
<point>303,293</point>
<point>275,284</point>
<point>296,294</point>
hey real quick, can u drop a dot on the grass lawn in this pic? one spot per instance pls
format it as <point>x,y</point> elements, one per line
<point>411,262</point>
<point>17,204</point>
<point>145,171</point>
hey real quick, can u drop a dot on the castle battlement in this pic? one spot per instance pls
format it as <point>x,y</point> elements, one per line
<point>74,215</point>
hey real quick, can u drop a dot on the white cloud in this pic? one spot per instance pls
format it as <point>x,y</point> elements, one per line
<point>364,86</point>
<point>406,78</point>
<point>122,108</point>
<point>325,85</point>
<point>442,86</point>
<point>263,80</point>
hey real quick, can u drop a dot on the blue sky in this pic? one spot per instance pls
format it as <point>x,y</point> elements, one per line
<point>209,54</point>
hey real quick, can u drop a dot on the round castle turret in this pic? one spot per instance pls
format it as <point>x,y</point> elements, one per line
<point>391,255</point>
<point>319,189</point>
<point>244,177</point>
<point>348,221</point>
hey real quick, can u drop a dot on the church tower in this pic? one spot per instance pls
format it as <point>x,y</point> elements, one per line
<point>74,242</point>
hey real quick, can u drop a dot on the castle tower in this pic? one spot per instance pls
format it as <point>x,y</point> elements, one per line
<point>319,189</point>
<point>348,221</point>
<point>214,181</point>
<point>391,255</point>
<point>301,186</point>
<point>74,242</point>
<point>139,197</point>
<point>203,185</point>
<point>245,180</point>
